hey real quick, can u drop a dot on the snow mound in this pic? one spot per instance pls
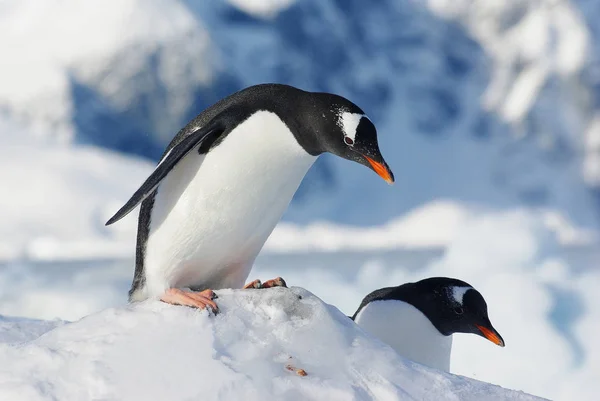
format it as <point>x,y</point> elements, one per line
<point>251,350</point>
<point>14,330</point>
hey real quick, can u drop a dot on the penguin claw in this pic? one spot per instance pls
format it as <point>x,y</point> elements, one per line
<point>200,300</point>
<point>253,284</point>
<point>276,282</point>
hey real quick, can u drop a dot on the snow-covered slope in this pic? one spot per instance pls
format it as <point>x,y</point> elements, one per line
<point>54,194</point>
<point>264,345</point>
<point>15,330</point>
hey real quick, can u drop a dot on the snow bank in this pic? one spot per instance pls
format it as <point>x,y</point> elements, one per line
<point>14,330</point>
<point>60,197</point>
<point>262,8</point>
<point>253,350</point>
<point>432,225</point>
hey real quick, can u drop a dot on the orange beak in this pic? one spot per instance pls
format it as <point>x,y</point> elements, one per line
<point>382,170</point>
<point>491,335</point>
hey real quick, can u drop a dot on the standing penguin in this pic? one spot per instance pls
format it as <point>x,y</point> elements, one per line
<point>418,319</point>
<point>225,180</point>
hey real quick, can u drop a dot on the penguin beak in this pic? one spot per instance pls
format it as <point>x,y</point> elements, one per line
<point>491,334</point>
<point>382,169</point>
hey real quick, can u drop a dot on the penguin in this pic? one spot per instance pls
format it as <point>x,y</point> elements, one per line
<point>224,182</point>
<point>418,319</point>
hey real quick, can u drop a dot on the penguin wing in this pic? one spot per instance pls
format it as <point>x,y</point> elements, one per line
<point>211,131</point>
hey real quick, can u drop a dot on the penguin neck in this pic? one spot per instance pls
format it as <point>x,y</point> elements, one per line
<point>408,331</point>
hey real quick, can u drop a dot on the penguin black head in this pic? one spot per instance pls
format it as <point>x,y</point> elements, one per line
<point>451,305</point>
<point>340,127</point>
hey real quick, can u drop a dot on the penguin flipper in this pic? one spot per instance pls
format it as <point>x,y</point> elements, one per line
<point>193,140</point>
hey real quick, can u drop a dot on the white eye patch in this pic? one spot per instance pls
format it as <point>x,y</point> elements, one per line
<point>348,122</point>
<point>458,293</point>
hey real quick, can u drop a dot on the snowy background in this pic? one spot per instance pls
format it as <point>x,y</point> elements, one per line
<point>487,112</point>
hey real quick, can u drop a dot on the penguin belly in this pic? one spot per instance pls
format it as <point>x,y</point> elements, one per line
<point>408,331</point>
<point>213,213</point>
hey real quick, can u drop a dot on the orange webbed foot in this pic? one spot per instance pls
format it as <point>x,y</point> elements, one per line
<point>253,284</point>
<point>200,300</point>
<point>276,282</point>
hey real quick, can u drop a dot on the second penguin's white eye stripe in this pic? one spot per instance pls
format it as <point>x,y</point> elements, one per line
<point>349,123</point>
<point>458,293</point>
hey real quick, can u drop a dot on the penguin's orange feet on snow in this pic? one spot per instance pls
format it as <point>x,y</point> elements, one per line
<point>276,282</point>
<point>253,284</point>
<point>199,300</point>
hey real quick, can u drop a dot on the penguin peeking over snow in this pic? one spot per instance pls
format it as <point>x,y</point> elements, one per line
<point>418,319</point>
<point>224,182</point>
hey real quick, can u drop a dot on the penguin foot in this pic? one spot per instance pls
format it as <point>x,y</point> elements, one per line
<point>199,300</point>
<point>276,282</point>
<point>253,284</point>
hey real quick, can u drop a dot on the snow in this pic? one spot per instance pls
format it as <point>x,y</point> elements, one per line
<point>63,194</point>
<point>434,224</point>
<point>50,48</point>
<point>154,351</point>
<point>18,330</point>
<point>543,55</point>
<point>262,8</point>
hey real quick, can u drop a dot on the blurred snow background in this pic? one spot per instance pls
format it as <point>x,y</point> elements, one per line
<point>488,113</point>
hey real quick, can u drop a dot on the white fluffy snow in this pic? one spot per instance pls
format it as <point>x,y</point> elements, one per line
<point>61,197</point>
<point>432,225</point>
<point>46,45</point>
<point>262,8</point>
<point>154,351</point>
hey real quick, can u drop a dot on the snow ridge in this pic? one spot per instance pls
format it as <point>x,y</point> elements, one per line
<point>257,348</point>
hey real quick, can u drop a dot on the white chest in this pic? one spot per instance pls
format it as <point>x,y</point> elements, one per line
<point>404,328</point>
<point>213,213</point>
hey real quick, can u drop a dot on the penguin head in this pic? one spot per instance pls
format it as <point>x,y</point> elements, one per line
<point>344,130</point>
<point>452,306</point>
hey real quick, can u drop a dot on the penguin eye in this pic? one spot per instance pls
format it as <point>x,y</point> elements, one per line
<point>348,141</point>
<point>458,310</point>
